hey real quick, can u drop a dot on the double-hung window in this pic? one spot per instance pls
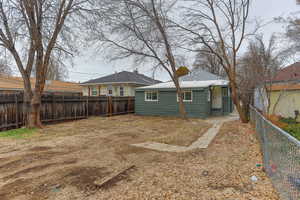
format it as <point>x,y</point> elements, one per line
<point>187,96</point>
<point>94,91</point>
<point>151,96</point>
<point>109,90</point>
<point>121,91</point>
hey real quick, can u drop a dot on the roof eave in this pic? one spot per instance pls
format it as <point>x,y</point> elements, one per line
<point>174,88</point>
<point>110,83</point>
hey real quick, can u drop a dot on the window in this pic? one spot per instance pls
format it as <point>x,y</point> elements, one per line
<point>187,96</point>
<point>225,92</point>
<point>121,91</point>
<point>151,96</point>
<point>110,90</point>
<point>94,91</point>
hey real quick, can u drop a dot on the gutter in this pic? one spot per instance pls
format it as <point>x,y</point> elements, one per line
<point>111,83</point>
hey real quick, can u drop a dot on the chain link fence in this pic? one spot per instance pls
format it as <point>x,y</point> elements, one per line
<point>281,156</point>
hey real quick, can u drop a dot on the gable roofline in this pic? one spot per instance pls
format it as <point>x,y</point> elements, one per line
<point>199,74</point>
<point>123,77</point>
<point>110,83</point>
<point>288,74</point>
<point>186,84</point>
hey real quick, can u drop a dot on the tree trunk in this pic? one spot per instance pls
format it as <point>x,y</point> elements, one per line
<point>236,100</point>
<point>26,107</point>
<point>34,119</point>
<point>180,99</point>
<point>27,97</point>
<point>181,105</point>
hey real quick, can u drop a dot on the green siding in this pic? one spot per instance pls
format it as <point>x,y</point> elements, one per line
<point>227,105</point>
<point>167,104</point>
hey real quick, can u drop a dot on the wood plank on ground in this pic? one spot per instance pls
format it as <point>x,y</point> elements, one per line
<point>113,176</point>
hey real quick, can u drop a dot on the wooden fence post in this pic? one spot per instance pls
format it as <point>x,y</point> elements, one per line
<point>63,105</point>
<point>100,105</point>
<point>128,107</point>
<point>76,108</point>
<point>17,111</point>
<point>87,106</point>
<point>52,107</point>
<point>109,106</point>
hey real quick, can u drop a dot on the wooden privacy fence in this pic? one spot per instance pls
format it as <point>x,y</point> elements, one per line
<point>60,108</point>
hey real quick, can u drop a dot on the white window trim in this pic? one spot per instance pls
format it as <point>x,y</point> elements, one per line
<point>151,99</point>
<point>184,99</point>
<point>94,89</point>
<point>123,89</point>
<point>112,92</point>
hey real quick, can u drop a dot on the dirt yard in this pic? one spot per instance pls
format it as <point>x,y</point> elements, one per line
<point>64,161</point>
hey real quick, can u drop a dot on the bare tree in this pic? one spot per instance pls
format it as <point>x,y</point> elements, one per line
<point>4,67</point>
<point>33,31</point>
<point>293,33</point>
<point>257,69</point>
<point>142,30</point>
<point>209,62</point>
<point>56,71</point>
<point>221,25</point>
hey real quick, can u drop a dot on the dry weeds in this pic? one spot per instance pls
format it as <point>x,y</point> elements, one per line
<point>63,161</point>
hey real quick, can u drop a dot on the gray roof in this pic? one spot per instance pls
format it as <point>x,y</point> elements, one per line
<point>124,77</point>
<point>200,75</point>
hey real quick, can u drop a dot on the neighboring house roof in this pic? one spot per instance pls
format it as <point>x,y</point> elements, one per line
<point>188,84</point>
<point>123,77</point>
<point>16,83</point>
<point>200,75</point>
<point>289,73</point>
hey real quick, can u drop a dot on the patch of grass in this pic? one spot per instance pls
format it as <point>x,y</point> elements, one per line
<point>18,133</point>
<point>294,130</point>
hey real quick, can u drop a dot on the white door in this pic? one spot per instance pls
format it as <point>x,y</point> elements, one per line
<point>216,98</point>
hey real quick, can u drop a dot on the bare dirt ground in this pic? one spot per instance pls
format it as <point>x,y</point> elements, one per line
<point>63,161</point>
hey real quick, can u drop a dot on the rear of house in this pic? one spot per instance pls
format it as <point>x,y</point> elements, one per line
<point>285,100</point>
<point>201,99</point>
<point>284,93</point>
<point>118,84</point>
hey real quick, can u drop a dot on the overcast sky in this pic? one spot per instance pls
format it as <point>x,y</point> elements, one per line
<point>92,65</point>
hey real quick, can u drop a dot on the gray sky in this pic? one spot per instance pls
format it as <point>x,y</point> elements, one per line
<point>91,65</point>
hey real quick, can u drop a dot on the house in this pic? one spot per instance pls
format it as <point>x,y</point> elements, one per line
<point>285,92</point>
<point>117,84</point>
<point>204,95</point>
<point>9,84</point>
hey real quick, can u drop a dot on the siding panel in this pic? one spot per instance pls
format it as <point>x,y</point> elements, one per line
<point>167,104</point>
